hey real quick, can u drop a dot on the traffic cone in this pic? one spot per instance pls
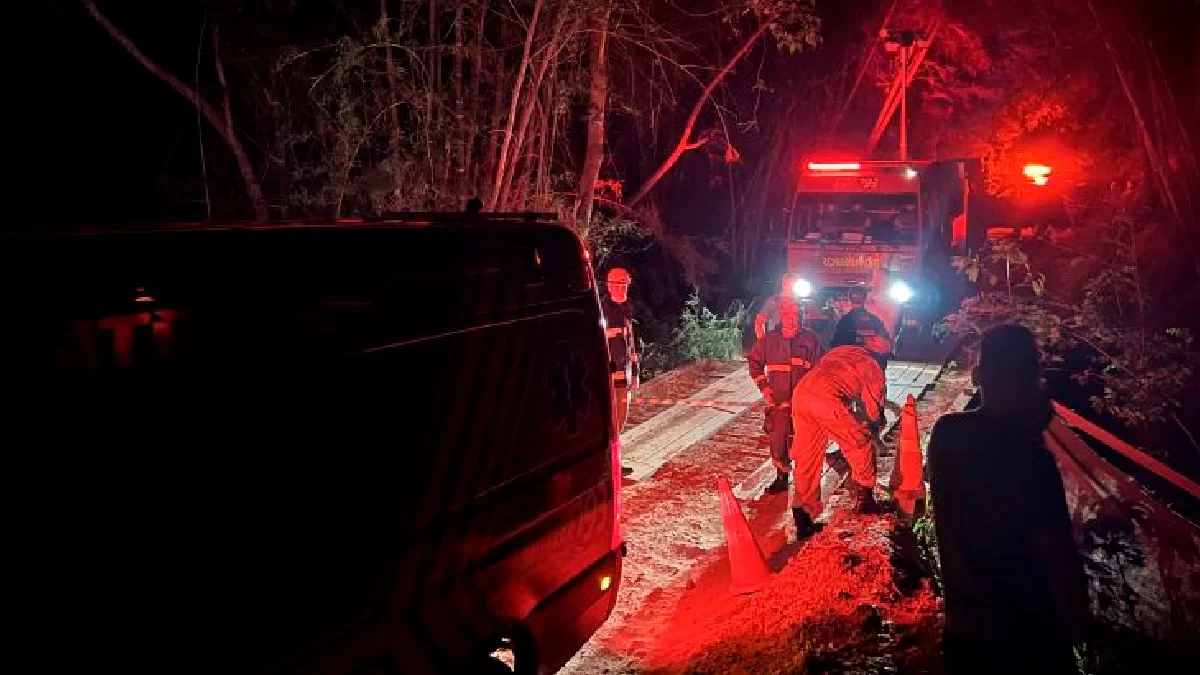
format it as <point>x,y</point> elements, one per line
<point>912,470</point>
<point>747,566</point>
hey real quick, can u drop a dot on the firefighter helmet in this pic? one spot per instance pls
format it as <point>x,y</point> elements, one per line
<point>619,275</point>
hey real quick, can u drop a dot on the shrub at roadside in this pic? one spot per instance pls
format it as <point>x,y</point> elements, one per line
<point>701,335</point>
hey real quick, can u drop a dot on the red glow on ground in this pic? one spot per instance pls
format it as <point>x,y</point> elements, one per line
<point>836,584</point>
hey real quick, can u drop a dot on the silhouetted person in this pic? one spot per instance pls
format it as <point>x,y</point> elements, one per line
<point>860,324</point>
<point>474,206</point>
<point>1016,595</point>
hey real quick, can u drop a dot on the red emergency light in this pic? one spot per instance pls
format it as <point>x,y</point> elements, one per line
<point>834,166</point>
<point>1038,173</point>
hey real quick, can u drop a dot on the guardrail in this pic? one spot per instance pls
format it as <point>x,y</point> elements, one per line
<point>1142,558</point>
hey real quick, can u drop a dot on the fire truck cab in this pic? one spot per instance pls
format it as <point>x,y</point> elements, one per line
<point>890,226</point>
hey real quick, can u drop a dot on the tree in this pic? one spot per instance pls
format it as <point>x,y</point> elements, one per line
<point>597,104</point>
<point>221,120</point>
<point>793,23</point>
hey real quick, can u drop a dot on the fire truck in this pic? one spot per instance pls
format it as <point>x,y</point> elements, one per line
<point>890,226</point>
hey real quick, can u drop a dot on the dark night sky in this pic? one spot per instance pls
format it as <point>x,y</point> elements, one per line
<point>95,136</point>
<point>92,130</point>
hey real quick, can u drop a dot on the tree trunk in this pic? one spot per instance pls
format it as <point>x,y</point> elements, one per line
<point>685,143</point>
<point>546,141</point>
<point>459,139</point>
<point>393,80</point>
<point>1166,193</point>
<point>432,84</point>
<point>514,100</point>
<point>222,122</point>
<point>477,167</point>
<point>522,133</point>
<point>593,157</point>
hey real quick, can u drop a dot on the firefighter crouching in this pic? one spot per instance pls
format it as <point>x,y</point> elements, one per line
<point>778,361</point>
<point>841,399</point>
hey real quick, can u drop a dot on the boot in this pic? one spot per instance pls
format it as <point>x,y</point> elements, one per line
<point>862,498</point>
<point>780,484</point>
<point>805,527</point>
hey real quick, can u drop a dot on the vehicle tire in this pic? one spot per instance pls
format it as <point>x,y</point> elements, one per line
<point>489,666</point>
<point>520,651</point>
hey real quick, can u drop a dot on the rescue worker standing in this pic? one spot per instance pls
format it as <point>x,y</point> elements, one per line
<point>859,324</point>
<point>778,361</point>
<point>768,317</point>
<point>841,399</point>
<point>618,320</point>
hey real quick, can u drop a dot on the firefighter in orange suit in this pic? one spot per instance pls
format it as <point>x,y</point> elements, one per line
<point>841,399</point>
<point>618,320</point>
<point>778,362</point>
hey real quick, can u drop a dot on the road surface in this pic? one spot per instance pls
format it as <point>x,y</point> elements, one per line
<point>686,428</point>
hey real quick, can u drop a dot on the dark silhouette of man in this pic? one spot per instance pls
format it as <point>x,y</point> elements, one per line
<point>859,325</point>
<point>1016,595</point>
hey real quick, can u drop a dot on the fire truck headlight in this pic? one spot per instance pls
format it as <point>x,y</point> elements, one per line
<point>900,292</point>
<point>801,288</point>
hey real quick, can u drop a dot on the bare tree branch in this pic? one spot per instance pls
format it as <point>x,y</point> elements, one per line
<point>685,143</point>
<point>223,124</point>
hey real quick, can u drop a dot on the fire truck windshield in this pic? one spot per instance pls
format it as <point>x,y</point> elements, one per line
<point>848,217</point>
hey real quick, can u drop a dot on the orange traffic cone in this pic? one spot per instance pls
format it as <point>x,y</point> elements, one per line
<point>912,467</point>
<point>747,566</point>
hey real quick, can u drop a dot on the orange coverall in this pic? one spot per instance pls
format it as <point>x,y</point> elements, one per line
<point>821,411</point>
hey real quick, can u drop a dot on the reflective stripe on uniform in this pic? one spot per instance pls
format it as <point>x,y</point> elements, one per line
<point>781,368</point>
<point>798,361</point>
<point>613,332</point>
<point>619,376</point>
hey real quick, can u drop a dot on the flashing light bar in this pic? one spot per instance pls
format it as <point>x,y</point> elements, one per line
<point>834,166</point>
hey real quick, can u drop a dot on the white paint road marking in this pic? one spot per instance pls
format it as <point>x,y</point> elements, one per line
<point>646,447</point>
